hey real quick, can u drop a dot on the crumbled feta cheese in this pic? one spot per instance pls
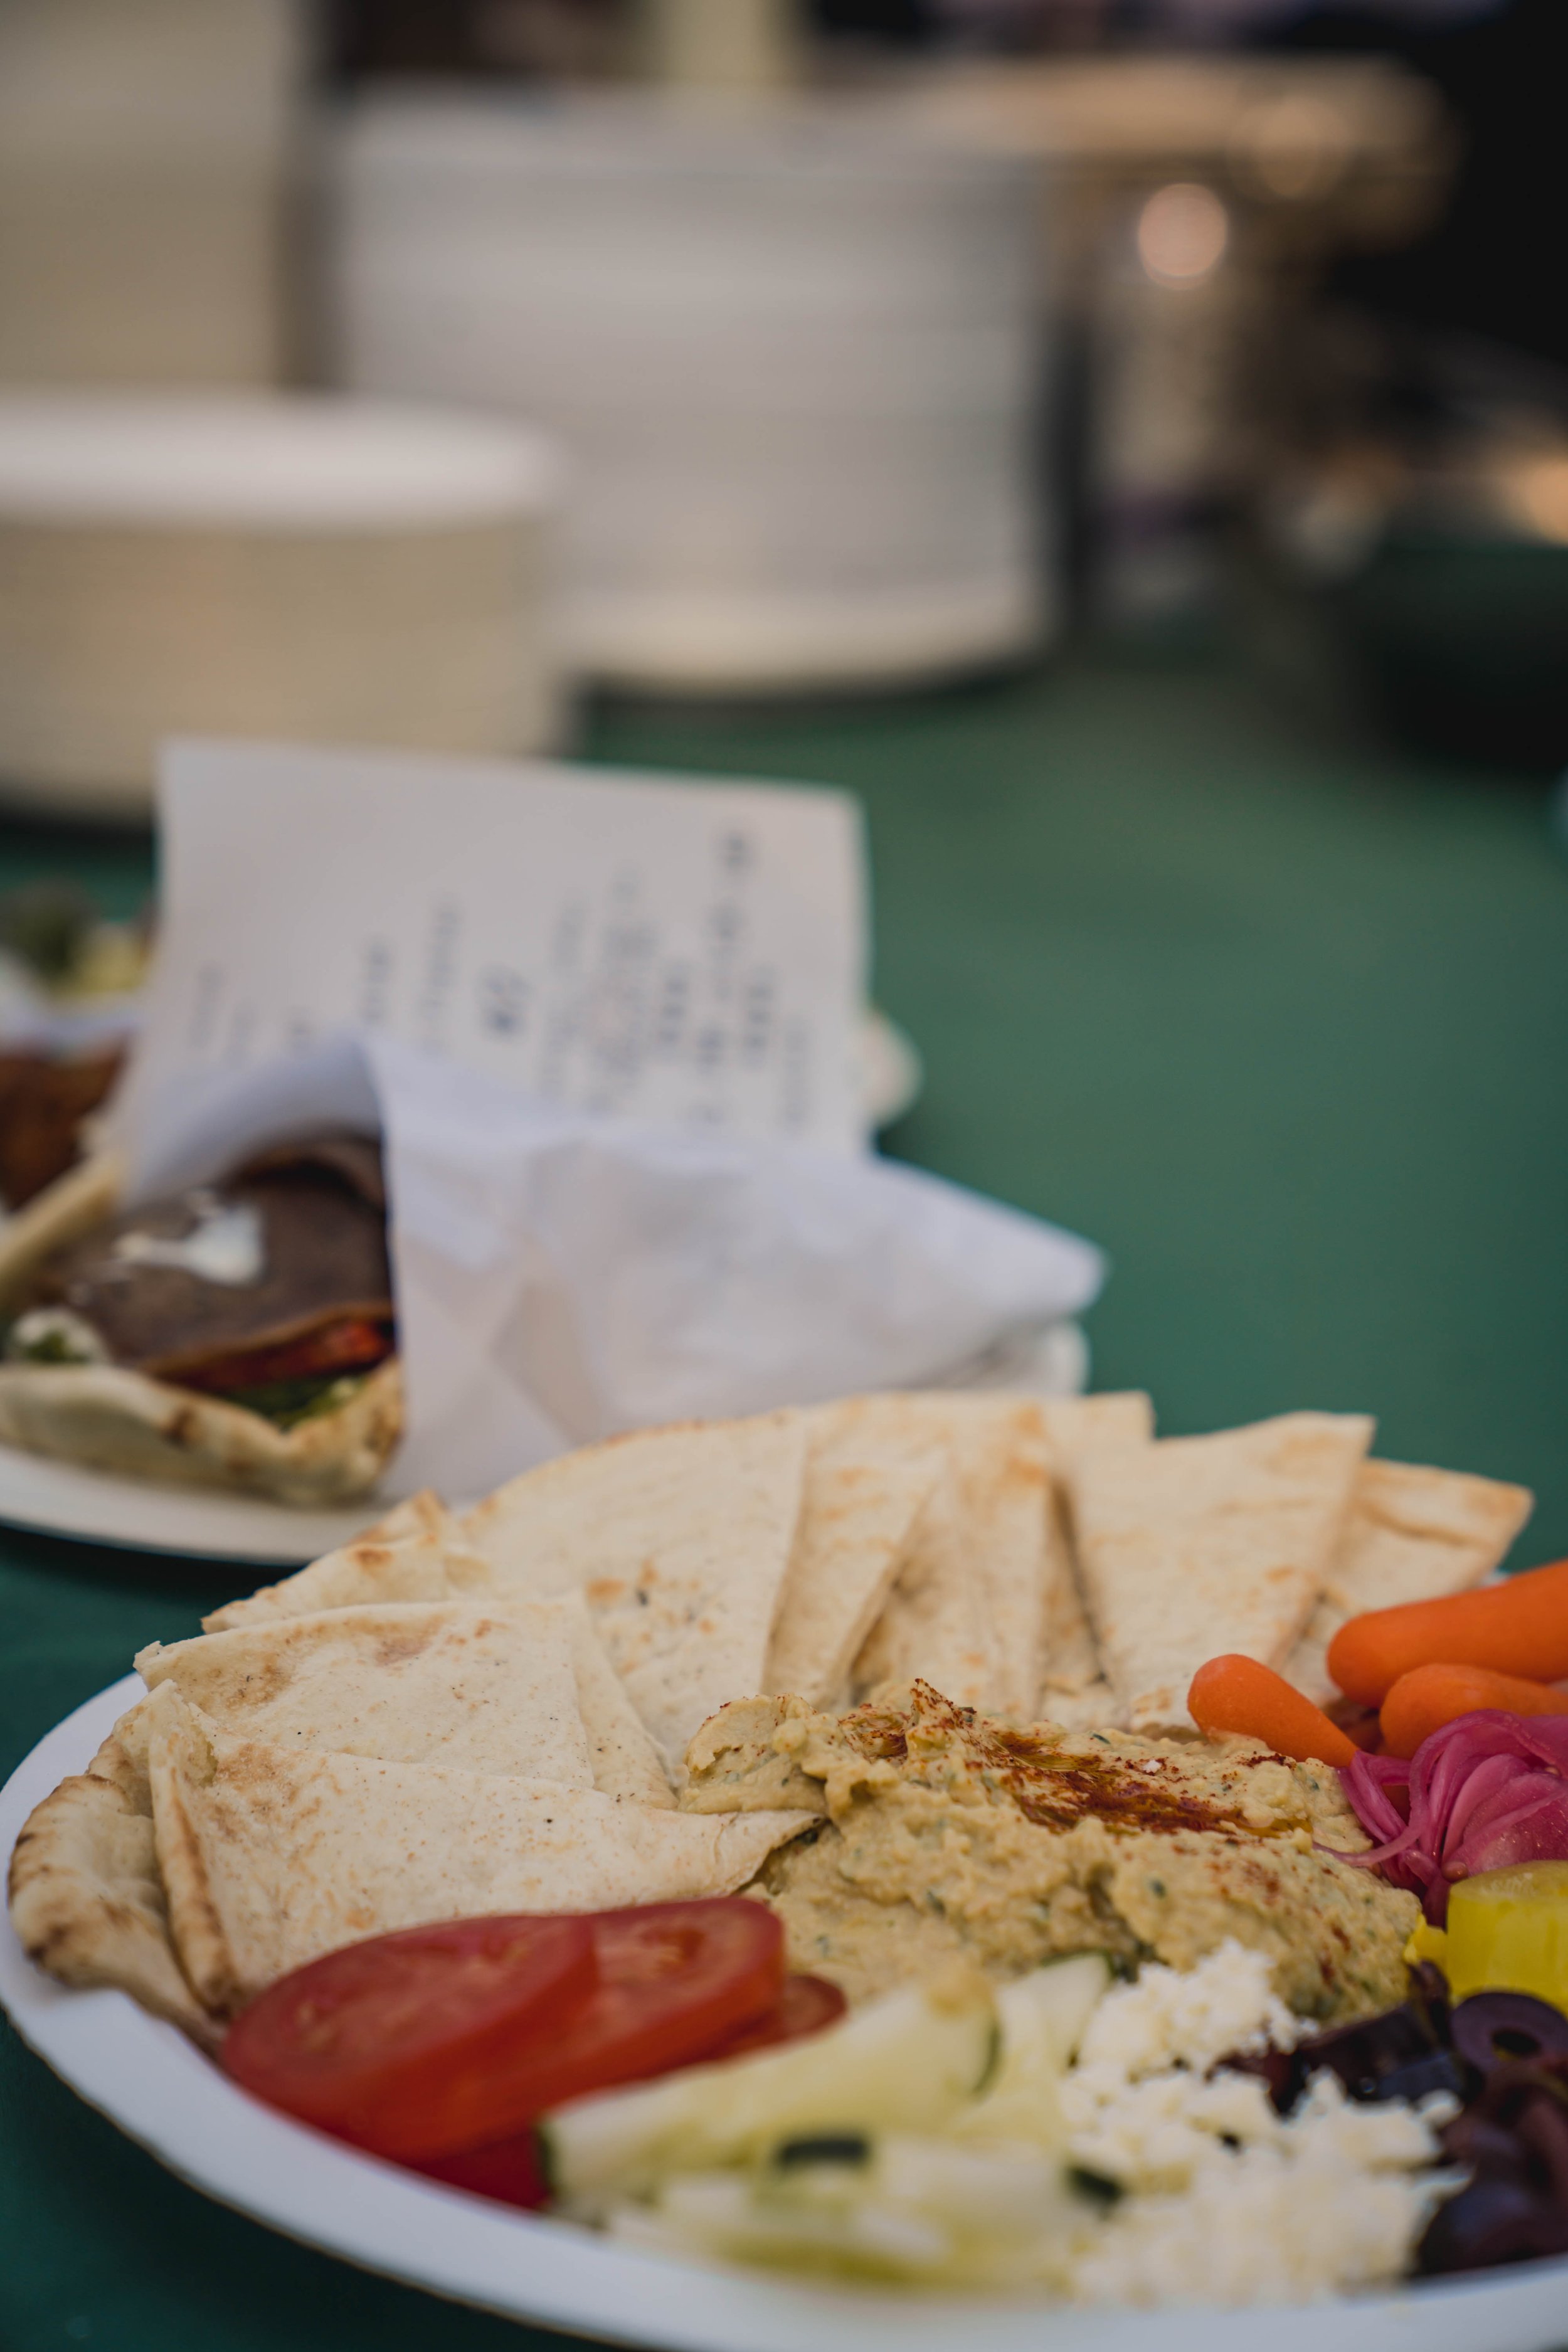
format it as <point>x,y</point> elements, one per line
<point>1228,2201</point>
<point>1192,2018</point>
<point>1326,2203</point>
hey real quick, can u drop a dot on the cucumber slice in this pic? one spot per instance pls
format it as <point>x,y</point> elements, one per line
<point>922,2212</point>
<point>1043,2020</point>
<point>906,2062</point>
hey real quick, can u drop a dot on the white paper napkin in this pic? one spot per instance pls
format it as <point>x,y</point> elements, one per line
<point>561,1275</point>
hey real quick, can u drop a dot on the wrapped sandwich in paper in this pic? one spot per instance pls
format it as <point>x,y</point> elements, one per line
<point>594,1036</point>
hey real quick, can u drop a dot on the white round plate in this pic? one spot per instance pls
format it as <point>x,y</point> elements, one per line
<point>62,1498</point>
<point>147,2078</point>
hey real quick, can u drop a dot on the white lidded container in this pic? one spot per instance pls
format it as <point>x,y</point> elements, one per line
<point>792,349</point>
<point>327,571</point>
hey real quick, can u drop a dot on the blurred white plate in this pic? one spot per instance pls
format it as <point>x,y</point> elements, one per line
<point>61,1498</point>
<point>147,2078</point>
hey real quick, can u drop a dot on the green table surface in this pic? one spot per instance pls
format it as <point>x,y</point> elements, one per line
<point>1278,1014</point>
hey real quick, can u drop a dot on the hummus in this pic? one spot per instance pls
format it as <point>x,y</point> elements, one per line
<point>945,1835</point>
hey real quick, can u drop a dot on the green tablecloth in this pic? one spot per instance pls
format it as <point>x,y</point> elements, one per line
<point>1278,1017</point>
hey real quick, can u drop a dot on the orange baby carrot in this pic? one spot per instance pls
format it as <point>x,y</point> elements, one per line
<point>1429,1697</point>
<point>1235,1694</point>
<point>1517,1627</point>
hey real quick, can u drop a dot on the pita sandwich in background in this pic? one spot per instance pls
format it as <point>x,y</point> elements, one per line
<point>270,1856</point>
<point>1413,1534</point>
<point>678,1540</point>
<point>868,1479</point>
<point>1191,1547</point>
<point>109,1418</point>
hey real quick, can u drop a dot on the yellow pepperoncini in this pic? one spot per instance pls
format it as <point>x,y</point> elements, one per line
<point>1507,1932</point>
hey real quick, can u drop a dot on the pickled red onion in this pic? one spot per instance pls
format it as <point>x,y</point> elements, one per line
<point>1482,1792</point>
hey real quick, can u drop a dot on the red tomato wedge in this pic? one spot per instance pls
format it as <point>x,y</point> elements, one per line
<point>511,2170</point>
<point>392,2043</point>
<point>676,1980</point>
<point>409,2044</point>
<point>353,1345</point>
<point>806,2005</point>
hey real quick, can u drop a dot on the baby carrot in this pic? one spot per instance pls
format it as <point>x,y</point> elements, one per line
<point>1517,1627</point>
<point>1237,1694</point>
<point>1429,1697</point>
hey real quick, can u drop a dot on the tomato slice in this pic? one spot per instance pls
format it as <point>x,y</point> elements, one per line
<point>392,2043</point>
<point>511,2170</point>
<point>805,2006</point>
<point>675,1980</point>
<point>353,1345</point>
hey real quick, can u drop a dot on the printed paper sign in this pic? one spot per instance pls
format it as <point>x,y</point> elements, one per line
<point>671,952</point>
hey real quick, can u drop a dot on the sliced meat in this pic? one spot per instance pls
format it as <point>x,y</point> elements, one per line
<point>323,1259</point>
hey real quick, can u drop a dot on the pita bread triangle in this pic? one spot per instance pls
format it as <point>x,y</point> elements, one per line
<point>271,1855</point>
<point>86,1901</point>
<point>1191,1546</point>
<point>678,1540</point>
<point>516,1685</point>
<point>967,1611</point>
<point>1073,1690</point>
<point>864,1491</point>
<point>415,1562</point>
<point>1413,1534</point>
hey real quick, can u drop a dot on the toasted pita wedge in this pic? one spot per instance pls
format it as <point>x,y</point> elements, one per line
<point>1413,1535</point>
<point>864,1492</point>
<point>1076,1424</point>
<point>967,1611</point>
<point>679,1540</point>
<point>424,1563</point>
<point>1073,1690</point>
<point>490,1687</point>
<point>424,1514</point>
<point>1194,1546</point>
<point>86,1898</point>
<point>272,1856</point>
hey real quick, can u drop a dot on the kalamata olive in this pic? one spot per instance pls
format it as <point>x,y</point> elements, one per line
<point>1542,2131</point>
<point>1362,2055</point>
<point>1417,2078</point>
<point>1430,1997</point>
<point>1280,2070</point>
<point>1492,2220</point>
<point>1491,2028</point>
<point>1507,2089</point>
<point>1481,2144</point>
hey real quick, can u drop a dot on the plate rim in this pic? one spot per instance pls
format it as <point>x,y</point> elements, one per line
<point>35,1513</point>
<point>155,2087</point>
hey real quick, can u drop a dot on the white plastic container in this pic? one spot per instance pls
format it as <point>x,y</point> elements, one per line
<point>325,571</point>
<point>794,353</point>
